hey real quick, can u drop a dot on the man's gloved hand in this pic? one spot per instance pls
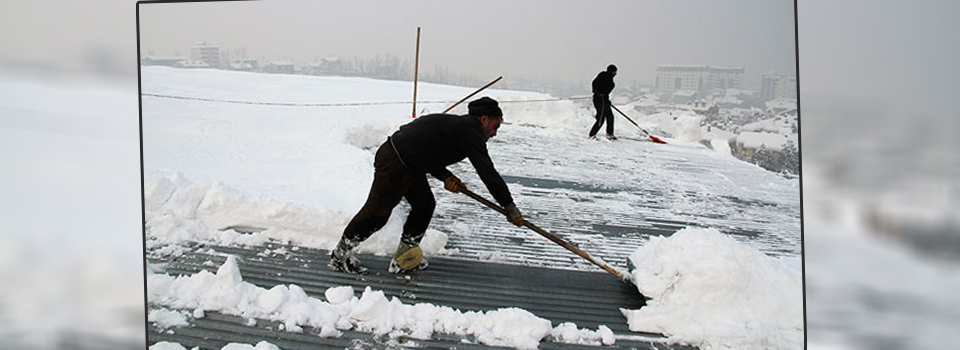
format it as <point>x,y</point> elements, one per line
<point>513,214</point>
<point>453,184</point>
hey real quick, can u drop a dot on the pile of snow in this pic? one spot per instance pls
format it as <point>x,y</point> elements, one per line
<point>373,312</point>
<point>711,291</point>
<point>683,127</point>
<point>662,122</point>
<point>553,118</point>
<point>370,136</point>
<point>298,173</point>
<point>178,210</point>
<point>686,129</point>
<point>721,146</point>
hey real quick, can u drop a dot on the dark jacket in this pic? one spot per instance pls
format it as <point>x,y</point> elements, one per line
<point>432,142</point>
<point>603,83</point>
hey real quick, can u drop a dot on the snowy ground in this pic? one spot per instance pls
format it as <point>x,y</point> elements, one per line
<point>292,156</point>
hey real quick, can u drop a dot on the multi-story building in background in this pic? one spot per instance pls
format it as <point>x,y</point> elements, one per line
<point>774,86</point>
<point>698,79</point>
<point>725,77</point>
<point>673,78</point>
<point>208,54</point>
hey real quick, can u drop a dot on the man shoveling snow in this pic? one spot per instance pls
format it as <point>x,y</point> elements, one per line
<point>426,145</point>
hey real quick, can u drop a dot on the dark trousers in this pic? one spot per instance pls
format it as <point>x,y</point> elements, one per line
<point>604,113</point>
<point>391,182</point>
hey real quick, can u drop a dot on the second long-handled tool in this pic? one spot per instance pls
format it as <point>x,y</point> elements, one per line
<point>474,93</point>
<point>623,276</point>
<point>652,138</point>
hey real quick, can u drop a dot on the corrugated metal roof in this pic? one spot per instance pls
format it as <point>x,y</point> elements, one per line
<point>609,216</point>
<point>589,299</point>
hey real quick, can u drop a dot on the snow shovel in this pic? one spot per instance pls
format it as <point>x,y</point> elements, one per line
<point>653,138</point>
<point>603,265</point>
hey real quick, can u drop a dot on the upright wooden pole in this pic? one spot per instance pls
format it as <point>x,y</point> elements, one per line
<point>416,72</point>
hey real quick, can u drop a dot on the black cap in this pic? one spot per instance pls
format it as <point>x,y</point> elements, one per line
<point>611,68</point>
<point>484,106</point>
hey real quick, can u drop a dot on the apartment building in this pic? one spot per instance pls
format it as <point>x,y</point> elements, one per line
<point>203,52</point>
<point>697,78</point>
<point>774,86</point>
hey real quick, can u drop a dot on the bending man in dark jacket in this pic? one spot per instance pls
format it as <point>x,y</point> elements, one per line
<point>426,145</point>
<point>602,86</point>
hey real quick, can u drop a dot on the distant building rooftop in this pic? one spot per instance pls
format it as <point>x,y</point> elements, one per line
<point>773,142</point>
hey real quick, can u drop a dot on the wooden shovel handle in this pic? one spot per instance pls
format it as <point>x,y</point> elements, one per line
<point>548,235</point>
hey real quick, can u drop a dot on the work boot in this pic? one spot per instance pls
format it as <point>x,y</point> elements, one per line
<point>409,257</point>
<point>342,258</point>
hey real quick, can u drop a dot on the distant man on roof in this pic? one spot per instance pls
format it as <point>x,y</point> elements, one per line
<point>602,86</point>
<point>426,145</point>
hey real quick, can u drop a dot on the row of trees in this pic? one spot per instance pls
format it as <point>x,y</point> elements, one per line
<point>785,161</point>
<point>390,67</point>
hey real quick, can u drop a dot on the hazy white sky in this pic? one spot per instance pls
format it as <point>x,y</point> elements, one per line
<point>894,50</point>
<point>569,40</point>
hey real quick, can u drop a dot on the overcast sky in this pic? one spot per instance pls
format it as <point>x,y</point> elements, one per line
<point>569,40</point>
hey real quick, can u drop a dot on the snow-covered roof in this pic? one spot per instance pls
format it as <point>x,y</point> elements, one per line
<point>770,141</point>
<point>782,103</point>
<point>768,125</point>
<point>717,133</point>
